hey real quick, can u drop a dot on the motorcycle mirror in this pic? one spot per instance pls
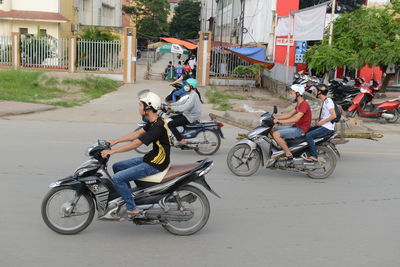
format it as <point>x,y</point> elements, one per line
<point>275,110</point>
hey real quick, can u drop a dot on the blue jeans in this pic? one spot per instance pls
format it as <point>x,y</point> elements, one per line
<point>289,132</point>
<point>316,132</point>
<point>177,93</point>
<point>129,170</point>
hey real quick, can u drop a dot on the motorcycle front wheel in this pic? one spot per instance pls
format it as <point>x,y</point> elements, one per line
<point>242,161</point>
<point>66,212</point>
<point>143,149</point>
<point>209,142</point>
<point>327,158</point>
<point>189,198</point>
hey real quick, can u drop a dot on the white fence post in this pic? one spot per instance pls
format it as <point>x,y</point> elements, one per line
<point>130,55</point>
<point>15,55</point>
<point>203,56</point>
<point>72,54</point>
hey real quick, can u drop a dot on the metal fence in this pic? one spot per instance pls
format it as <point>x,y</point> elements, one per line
<point>44,52</point>
<point>224,62</point>
<point>282,73</point>
<point>99,56</point>
<point>5,50</point>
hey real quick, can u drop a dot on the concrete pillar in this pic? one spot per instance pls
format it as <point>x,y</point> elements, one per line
<point>15,51</point>
<point>72,51</point>
<point>129,55</point>
<point>203,58</point>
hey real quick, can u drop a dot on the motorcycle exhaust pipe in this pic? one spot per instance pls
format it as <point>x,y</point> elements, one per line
<point>387,116</point>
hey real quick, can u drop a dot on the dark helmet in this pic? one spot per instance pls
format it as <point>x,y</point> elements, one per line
<point>321,88</point>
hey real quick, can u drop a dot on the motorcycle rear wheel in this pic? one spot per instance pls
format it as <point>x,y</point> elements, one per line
<point>328,159</point>
<point>193,199</point>
<point>235,160</point>
<point>55,205</point>
<point>395,118</point>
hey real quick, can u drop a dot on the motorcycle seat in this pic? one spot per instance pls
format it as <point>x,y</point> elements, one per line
<point>170,173</point>
<point>193,124</point>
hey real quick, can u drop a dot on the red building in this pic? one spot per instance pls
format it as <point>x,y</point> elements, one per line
<point>281,55</point>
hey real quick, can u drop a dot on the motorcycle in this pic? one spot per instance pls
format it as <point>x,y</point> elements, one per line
<point>166,198</point>
<point>203,137</point>
<point>362,105</point>
<point>257,148</point>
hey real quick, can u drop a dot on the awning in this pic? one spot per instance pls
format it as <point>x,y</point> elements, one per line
<point>255,55</point>
<point>188,45</point>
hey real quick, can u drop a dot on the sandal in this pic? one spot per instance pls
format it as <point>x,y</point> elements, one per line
<point>130,215</point>
<point>311,159</point>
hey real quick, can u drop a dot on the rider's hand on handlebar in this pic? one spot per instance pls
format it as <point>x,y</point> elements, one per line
<point>276,121</point>
<point>112,142</point>
<point>106,153</point>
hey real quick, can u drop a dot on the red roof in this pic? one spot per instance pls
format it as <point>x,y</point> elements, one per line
<point>32,15</point>
<point>188,45</point>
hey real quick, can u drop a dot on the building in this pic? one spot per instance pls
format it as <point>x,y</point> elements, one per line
<point>28,16</point>
<point>241,22</point>
<point>103,13</point>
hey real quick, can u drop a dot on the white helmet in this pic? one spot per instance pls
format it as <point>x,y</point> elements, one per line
<point>298,88</point>
<point>151,99</point>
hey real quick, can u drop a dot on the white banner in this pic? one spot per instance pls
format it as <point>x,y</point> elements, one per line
<point>282,27</point>
<point>309,24</point>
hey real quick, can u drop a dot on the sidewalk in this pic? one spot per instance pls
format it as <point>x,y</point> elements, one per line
<point>120,107</point>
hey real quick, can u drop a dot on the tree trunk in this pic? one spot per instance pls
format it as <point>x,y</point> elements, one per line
<point>387,77</point>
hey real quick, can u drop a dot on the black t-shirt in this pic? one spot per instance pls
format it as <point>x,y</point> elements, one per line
<point>157,133</point>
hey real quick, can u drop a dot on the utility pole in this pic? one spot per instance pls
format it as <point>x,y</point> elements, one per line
<point>331,22</point>
<point>243,3</point>
<point>222,20</point>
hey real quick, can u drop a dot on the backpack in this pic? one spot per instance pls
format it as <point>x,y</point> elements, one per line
<point>337,111</point>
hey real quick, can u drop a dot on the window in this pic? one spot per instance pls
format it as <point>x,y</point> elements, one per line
<point>23,30</point>
<point>43,32</point>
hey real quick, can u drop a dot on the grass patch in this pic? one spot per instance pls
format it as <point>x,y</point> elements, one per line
<point>43,87</point>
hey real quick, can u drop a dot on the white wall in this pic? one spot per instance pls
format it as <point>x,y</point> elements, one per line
<point>36,5</point>
<point>100,13</point>
<point>258,20</point>
<point>208,9</point>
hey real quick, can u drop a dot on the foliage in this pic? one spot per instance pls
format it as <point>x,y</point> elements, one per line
<point>97,34</point>
<point>186,21</point>
<point>251,69</point>
<point>150,17</point>
<point>367,36</point>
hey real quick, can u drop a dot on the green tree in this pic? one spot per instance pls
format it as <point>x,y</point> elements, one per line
<point>150,17</point>
<point>367,36</point>
<point>97,34</point>
<point>186,21</point>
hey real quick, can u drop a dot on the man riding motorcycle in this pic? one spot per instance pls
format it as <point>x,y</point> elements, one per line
<point>300,117</point>
<point>157,160</point>
<point>324,126</point>
<point>190,109</point>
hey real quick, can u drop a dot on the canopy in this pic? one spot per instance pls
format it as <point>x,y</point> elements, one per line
<point>255,55</point>
<point>173,48</point>
<point>155,45</point>
<point>188,45</point>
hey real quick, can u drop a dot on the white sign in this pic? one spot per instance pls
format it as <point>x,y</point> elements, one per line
<point>284,41</point>
<point>309,24</point>
<point>133,59</point>
<point>175,48</point>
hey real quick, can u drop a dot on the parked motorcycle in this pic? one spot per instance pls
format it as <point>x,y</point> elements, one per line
<point>258,147</point>
<point>362,105</point>
<point>166,198</point>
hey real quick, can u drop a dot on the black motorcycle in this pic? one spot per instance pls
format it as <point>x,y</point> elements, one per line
<point>166,198</point>
<point>258,147</point>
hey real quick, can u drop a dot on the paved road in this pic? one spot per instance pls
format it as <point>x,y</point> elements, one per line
<point>273,218</point>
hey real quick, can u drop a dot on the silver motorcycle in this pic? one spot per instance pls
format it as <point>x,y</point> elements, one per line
<point>259,148</point>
